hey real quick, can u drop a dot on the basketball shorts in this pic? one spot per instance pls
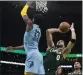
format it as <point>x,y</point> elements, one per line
<point>34,63</point>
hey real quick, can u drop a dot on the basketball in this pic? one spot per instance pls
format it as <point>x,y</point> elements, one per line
<point>64,26</point>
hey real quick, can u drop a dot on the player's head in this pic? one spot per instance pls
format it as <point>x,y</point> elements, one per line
<point>60,44</point>
<point>77,65</point>
<point>37,19</point>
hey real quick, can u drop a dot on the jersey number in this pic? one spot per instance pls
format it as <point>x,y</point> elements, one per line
<point>57,57</point>
<point>37,35</point>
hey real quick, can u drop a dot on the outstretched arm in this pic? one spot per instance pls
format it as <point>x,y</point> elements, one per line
<point>71,42</point>
<point>25,15</point>
<point>49,37</point>
<point>14,48</point>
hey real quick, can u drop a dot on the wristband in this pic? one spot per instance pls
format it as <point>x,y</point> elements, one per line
<point>73,40</point>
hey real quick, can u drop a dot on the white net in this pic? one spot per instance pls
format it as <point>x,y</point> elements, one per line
<point>41,6</point>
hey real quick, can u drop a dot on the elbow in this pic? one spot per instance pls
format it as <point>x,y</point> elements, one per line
<point>48,31</point>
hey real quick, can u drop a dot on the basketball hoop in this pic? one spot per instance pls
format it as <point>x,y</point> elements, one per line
<point>41,6</point>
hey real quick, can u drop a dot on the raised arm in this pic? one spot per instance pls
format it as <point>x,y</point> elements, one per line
<point>25,15</point>
<point>49,37</point>
<point>71,42</point>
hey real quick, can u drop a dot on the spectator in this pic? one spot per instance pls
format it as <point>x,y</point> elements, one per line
<point>77,69</point>
<point>59,71</point>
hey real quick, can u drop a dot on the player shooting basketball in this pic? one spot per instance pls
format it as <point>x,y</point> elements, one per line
<point>56,53</point>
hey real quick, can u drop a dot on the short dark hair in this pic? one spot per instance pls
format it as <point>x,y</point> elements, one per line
<point>38,18</point>
<point>64,43</point>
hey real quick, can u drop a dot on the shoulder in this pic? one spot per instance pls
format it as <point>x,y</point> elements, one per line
<point>36,26</point>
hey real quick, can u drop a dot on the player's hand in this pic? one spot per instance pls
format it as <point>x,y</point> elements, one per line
<point>9,48</point>
<point>72,27</point>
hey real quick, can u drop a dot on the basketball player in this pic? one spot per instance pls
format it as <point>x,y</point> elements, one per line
<point>77,69</point>
<point>34,59</point>
<point>57,53</point>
